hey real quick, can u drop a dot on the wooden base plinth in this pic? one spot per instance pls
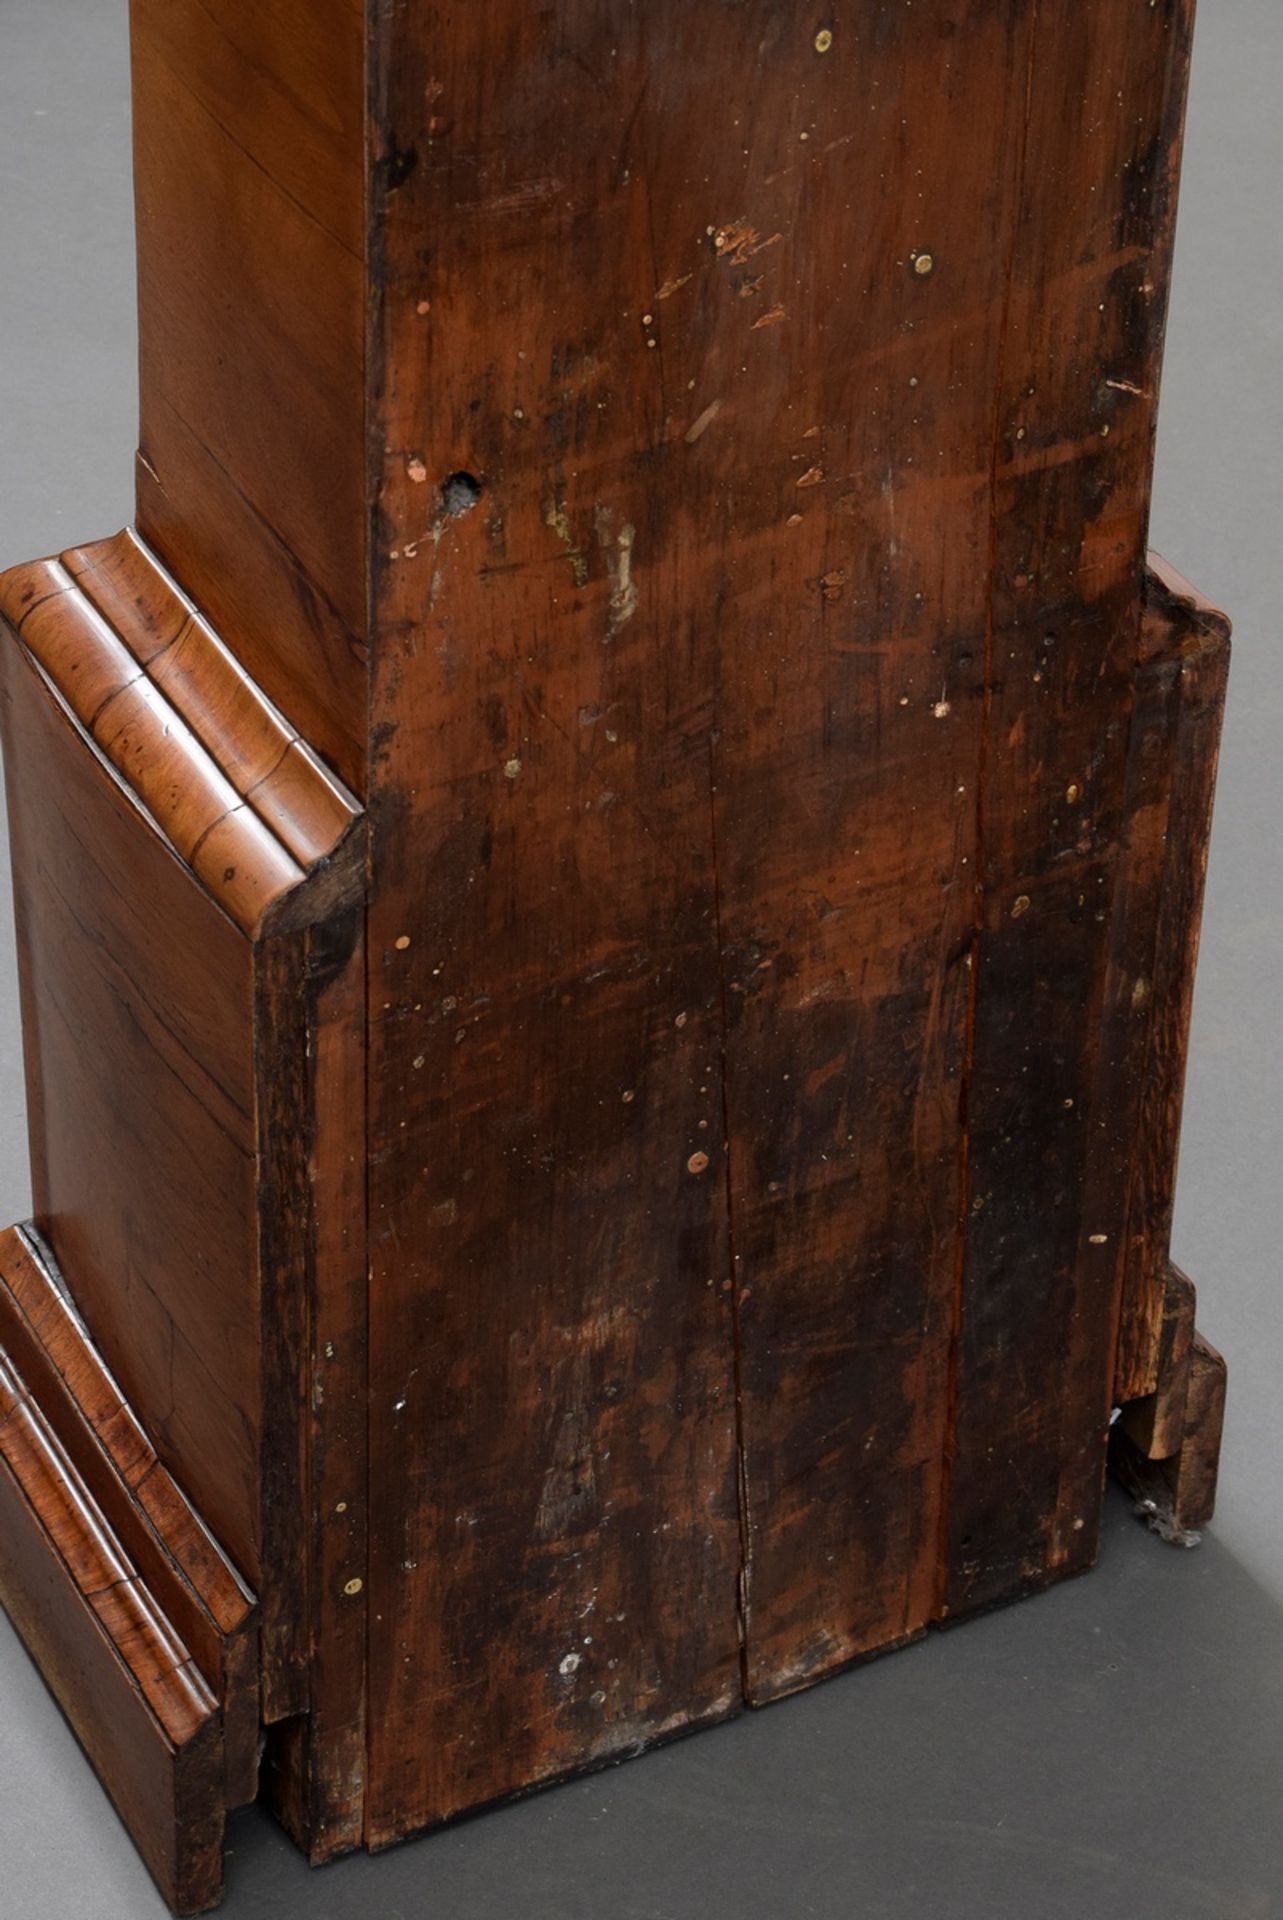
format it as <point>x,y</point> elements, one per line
<point>191,933</point>
<point>139,1625</point>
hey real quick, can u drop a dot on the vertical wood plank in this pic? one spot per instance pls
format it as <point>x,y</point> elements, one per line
<point>1162,988</point>
<point>1074,438</point>
<point>846,741</point>
<point>554,1541</point>
<point>317,1761</point>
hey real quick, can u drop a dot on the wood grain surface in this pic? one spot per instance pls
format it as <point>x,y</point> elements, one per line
<point>182,1565</point>
<point>608,886</point>
<point>136,1698</point>
<point>779,581</point>
<point>1191,681</point>
<point>249,181</point>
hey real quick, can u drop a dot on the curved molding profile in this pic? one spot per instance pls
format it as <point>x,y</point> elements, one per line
<point>140,1626</point>
<point>240,796</point>
<point>44,1342</point>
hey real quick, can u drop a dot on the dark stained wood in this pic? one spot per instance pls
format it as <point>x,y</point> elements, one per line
<point>848,661</point>
<point>1072,451</point>
<point>317,1349</point>
<point>339,1469</point>
<point>666,1202</point>
<point>1163,988</point>
<point>549,1223</point>
<point>1156,1423</point>
<point>136,1008</point>
<point>1175,1491</point>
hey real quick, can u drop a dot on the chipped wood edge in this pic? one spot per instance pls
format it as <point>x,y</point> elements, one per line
<point>1164,1446</point>
<point>1186,642</point>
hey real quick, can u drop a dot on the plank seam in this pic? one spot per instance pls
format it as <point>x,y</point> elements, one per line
<point>743,1603</point>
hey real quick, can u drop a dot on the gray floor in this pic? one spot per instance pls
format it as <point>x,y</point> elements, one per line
<point>1113,1750</point>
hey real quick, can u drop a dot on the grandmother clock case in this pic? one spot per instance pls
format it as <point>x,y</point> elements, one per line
<point>607,888</point>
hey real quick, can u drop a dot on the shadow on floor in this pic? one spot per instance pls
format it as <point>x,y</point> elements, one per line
<point>1113,1749</point>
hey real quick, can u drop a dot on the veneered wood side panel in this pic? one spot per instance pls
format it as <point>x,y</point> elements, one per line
<point>250,191</point>
<point>554,1536</point>
<point>284,82</point>
<point>836,533</point>
<point>138,1033</point>
<point>1074,420</point>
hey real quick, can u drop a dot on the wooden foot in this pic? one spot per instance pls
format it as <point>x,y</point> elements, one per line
<point>1165,1448</point>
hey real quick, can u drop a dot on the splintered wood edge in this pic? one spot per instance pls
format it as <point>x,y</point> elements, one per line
<point>1155,1423</point>
<point>1187,639</point>
<point>243,800</point>
<point>1176,1496</point>
<point>1165,1447</point>
<point>1170,597</point>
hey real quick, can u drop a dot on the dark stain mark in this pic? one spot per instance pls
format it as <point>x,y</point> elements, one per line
<point>397,165</point>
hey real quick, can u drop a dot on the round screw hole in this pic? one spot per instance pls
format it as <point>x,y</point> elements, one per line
<point>460,494</point>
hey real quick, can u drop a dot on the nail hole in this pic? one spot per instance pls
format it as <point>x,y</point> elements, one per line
<point>460,493</point>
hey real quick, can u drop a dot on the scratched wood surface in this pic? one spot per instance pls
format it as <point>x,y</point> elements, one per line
<point>1072,451</point>
<point>548,1203</point>
<point>1190,682</point>
<point>777,651</point>
<point>685,471</point>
